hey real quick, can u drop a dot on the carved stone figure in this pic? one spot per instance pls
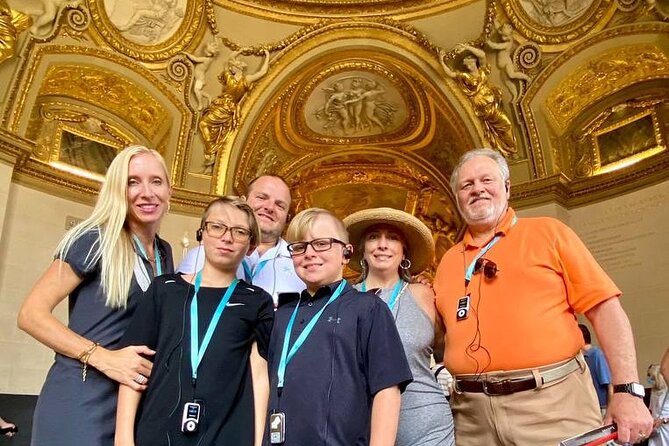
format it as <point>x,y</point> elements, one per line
<point>504,60</point>
<point>221,118</point>
<point>147,21</point>
<point>358,109</point>
<point>202,64</point>
<point>485,98</point>
<point>43,21</point>
<point>555,12</point>
<point>337,105</point>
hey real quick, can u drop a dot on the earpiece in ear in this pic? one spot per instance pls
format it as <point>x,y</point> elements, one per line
<point>506,186</point>
<point>348,253</point>
<point>198,235</point>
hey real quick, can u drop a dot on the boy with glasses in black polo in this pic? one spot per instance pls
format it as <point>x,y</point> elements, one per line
<point>336,362</point>
<point>210,331</point>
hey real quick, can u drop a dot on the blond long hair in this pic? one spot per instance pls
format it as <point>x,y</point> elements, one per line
<point>115,250</point>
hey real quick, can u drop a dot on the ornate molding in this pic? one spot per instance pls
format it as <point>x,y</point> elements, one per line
<point>304,11</point>
<point>95,85</point>
<point>604,75</point>
<point>572,193</point>
<point>526,103</point>
<point>157,48</point>
<point>545,23</point>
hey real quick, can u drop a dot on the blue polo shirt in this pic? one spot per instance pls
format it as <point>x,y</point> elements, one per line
<point>601,375</point>
<point>353,352</point>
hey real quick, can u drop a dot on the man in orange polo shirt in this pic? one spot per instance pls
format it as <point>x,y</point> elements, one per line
<point>508,294</point>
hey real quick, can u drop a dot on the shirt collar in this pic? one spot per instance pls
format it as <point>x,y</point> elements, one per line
<point>502,228</point>
<point>279,250</point>
<point>323,292</point>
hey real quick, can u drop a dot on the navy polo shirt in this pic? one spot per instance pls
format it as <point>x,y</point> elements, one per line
<point>353,352</point>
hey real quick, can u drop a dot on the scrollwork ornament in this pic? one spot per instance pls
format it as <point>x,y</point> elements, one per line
<point>628,5</point>
<point>528,56</point>
<point>78,19</point>
<point>178,69</point>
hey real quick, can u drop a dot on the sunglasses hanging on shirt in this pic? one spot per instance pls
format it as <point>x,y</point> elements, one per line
<point>488,266</point>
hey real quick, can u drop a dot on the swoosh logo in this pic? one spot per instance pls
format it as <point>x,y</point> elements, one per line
<point>235,304</point>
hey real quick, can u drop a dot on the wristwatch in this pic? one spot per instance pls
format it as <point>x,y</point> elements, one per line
<point>635,389</point>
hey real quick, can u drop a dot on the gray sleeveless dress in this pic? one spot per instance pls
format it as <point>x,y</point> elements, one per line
<point>425,415</point>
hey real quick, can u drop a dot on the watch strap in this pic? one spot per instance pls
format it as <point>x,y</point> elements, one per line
<point>635,389</point>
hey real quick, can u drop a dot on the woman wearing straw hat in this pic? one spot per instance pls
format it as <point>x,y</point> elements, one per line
<point>392,246</point>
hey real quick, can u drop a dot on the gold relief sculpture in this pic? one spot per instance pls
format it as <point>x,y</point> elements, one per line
<point>356,105</point>
<point>202,64</point>
<point>11,24</point>
<point>604,75</point>
<point>486,100</point>
<point>503,46</point>
<point>107,89</point>
<point>221,118</point>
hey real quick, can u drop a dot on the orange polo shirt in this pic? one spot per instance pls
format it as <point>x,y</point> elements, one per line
<point>526,313</point>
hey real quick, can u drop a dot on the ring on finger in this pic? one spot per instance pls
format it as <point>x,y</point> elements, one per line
<point>140,379</point>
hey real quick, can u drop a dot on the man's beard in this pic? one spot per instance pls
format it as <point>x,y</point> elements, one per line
<point>491,213</point>
<point>267,235</point>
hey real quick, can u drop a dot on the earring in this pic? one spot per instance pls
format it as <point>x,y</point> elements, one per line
<point>405,264</point>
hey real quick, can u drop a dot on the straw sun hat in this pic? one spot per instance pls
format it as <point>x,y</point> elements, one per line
<point>418,236</point>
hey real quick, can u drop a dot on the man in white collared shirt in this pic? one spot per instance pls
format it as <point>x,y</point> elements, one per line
<point>269,266</point>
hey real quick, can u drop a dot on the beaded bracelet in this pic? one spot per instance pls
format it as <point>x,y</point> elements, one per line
<point>84,357</point>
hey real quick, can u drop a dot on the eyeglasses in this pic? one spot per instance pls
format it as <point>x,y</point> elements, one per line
<point>318,245</point>
<point>489,267</point>
<point>218,230</point>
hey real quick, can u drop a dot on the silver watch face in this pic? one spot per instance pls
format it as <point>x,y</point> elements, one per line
<point>637,389</point>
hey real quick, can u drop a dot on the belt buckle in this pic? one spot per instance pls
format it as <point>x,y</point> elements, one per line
<point>503,388</point>
<point>485,388</point>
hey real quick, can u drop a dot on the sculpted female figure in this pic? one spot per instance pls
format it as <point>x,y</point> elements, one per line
<point>486,99</point>
<point>221,117</point>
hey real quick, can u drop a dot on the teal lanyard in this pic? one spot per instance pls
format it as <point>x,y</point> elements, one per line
<point>249,274</point>
<point>470,269</point>
<point>393,297</point>
<point>197,353</point>
<point>286,355</point>
<point>140,248</point>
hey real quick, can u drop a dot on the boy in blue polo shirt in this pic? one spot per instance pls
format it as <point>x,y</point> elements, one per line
<point>337,365</point>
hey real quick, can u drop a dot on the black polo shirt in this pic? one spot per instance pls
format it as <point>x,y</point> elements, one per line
<point>224,382</point>
<point>353,352</point>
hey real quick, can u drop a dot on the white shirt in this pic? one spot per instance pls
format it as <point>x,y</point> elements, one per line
<point>273,272</point>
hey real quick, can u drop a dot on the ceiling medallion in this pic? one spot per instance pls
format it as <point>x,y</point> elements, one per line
<point>353,102</point>
<point>148,31</point>
<point>556,22</point>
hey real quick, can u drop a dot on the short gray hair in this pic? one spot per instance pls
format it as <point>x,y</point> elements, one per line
<point>490,153</point>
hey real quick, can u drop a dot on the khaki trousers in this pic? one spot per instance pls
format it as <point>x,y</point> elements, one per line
<point>538,417</point>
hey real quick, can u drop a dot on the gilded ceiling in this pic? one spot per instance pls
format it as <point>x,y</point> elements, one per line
<point>356,103</point>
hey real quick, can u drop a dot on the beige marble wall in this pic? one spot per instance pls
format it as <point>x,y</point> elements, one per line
<point>627,235</point>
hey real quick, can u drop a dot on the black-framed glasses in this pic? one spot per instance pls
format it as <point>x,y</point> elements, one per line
<point>489,267</point>
<point>318,245</point>
<point>218,230</point>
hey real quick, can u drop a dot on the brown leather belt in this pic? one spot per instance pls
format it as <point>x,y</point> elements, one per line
<point>496,386</point>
